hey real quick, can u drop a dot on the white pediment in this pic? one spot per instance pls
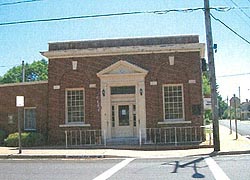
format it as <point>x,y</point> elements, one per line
<point>122,67</point>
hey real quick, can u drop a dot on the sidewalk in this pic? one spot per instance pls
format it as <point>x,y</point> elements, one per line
<point>228,146</point>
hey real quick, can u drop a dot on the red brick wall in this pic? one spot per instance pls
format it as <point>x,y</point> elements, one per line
<point>35,94</point>
<point>186,67</point>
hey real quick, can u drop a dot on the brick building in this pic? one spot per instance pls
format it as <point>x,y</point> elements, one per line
<point>120,86</point>
<point>35,110</point>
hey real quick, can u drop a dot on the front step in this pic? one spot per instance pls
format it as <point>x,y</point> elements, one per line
<point>123,141</point>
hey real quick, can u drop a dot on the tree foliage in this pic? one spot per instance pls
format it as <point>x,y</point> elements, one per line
<point>36,71</point>
<point>206,85</point>
<point>222,105</point>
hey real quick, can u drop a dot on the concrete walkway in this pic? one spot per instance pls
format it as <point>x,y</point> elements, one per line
<point>228,146</point>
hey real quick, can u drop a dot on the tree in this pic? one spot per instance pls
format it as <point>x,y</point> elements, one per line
<point>222,105</point>
<point>36,71</point>
<point>206,85</point>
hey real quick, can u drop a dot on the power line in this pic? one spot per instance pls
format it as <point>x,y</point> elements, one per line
<point>231,75</point>
<point>240,9</point>
<point>238,14</point>
<point>229,28</point>
<point>221,9</point>
<point>18,2</point>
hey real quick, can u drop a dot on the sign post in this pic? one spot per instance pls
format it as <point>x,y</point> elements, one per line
<point>19,105</point>
<point>235,103</point>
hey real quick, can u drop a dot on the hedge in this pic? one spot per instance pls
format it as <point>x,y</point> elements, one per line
<point>28,139</point>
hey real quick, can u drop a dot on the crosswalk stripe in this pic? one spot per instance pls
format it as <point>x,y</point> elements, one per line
<point>215,169</point>
<point>114,169</point>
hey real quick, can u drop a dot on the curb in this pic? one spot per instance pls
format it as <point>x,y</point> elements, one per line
<point>20,156</point>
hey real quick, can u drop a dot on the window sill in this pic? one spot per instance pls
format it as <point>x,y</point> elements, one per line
<point>29,129</point>
<point>74,125</point>
<point>174,122</point>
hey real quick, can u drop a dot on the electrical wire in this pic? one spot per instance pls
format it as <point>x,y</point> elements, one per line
<point>240,9</point>
<point>230,75</point>
<point>221,9</point>
<point>229,28</point>
<point>246,22</point>
<point>18,2</point>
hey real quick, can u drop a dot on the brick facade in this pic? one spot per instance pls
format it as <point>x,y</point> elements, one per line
<point>36,96</point>
<point>149,54</point>
<point>186,70</point>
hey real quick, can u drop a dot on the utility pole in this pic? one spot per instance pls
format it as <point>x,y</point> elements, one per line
<point>210,54</point>
<point>23,72</point>
<point>235,115</point>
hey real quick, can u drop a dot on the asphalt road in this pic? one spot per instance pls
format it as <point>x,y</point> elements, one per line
<point>219,167</point>
<point>242,126</point>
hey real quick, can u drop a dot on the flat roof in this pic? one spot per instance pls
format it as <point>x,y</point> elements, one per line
<point>123,42</point>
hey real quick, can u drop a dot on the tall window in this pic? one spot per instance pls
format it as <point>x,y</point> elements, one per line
<point>75,105</point>
<point>30,119</point>
<point>173,102</point>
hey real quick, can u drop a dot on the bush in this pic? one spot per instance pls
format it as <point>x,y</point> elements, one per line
<point>2,136</point>
<point>28,139</point>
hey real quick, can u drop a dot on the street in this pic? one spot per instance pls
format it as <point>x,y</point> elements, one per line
<point>219,167</point>
<point>242,126</point>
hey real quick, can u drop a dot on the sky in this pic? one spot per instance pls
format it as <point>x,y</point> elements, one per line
<point>25,41</point>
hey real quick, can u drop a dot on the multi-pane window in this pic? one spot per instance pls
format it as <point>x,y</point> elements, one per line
<point>173,102</point>
<point>30,119</point>
<point>75,105</point>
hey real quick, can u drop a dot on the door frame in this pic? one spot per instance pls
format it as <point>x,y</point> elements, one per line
<point>122,73</point>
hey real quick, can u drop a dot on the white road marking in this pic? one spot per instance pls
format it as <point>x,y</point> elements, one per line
<point>114,169</point>
<point>215,169</point>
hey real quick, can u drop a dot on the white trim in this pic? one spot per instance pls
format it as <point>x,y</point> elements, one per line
<point>23,83</point>
<point>107,51</point>
<point>136,79</point>
<point>174,122</point>
<point>183,104</point>
<point>74,125</point>
<point>126,64</point>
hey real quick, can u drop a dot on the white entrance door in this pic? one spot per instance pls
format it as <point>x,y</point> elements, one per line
<point>123,120</point>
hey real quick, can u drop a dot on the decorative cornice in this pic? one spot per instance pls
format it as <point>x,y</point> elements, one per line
<point>107,51</point>
<point>24,83</point>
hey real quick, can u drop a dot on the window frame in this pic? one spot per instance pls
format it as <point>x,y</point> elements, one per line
<point>24,115</point>
<point>164,104</point>
<point>66,105</point>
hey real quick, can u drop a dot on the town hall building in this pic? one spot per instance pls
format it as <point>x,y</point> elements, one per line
<point>101,90</point>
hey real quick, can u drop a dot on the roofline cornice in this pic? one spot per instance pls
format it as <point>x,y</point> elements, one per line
<point>124,50</point>
<point>23,83</point>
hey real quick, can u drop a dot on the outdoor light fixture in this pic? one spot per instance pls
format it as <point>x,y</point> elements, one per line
<point>141,91</point>
<point>103,92</point>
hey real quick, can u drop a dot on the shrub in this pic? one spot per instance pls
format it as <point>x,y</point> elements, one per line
<point>2,136</point>
<point>28,139</point>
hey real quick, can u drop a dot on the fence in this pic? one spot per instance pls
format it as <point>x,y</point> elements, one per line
<point>176,135</point>
<point>166,135</point>
<point>84,137</point>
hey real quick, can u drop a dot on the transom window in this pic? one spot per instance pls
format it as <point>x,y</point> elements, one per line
<point>123,90</point>
<point>30,119</point>
<point>75,105</point>
<point>173,102</point>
